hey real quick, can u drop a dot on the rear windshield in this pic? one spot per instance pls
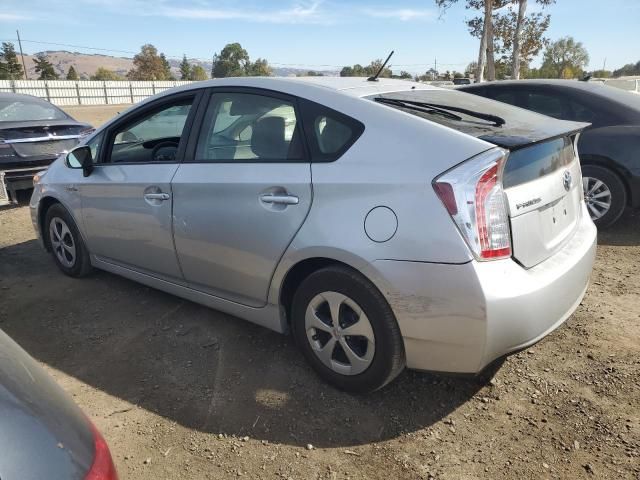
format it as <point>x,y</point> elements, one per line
<point>537,161</point>
<point>28,110</point>
<point>495,122</point>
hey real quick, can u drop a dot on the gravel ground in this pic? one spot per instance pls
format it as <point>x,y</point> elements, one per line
<point>182,391</point>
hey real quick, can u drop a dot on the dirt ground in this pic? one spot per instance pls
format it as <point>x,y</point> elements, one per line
<point>95,115</point>
<point>182,391</point>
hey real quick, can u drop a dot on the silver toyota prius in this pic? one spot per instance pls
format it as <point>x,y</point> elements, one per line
<point>383,223</point>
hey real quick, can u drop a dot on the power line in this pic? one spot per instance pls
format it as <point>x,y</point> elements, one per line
<point>281,64</point>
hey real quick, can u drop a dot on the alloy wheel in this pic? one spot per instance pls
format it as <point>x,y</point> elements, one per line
<point>597,197</point>
<point>62,242</point>
<point>339,332</point>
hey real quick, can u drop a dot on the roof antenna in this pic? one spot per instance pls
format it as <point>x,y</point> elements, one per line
<point>375,77</point>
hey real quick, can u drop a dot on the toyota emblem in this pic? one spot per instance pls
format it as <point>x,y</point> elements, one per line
<point>567,180</point>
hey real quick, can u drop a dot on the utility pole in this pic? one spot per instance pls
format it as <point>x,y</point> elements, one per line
<point>22,56</point>
<point>435,68</point>
<point>604,65</point>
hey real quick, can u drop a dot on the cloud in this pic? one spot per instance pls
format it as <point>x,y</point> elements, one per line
<point>308,12</point>
<point>12,17</point>
<point>402,14</point>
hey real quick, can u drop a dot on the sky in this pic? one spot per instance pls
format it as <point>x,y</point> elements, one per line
<point>313,34</point>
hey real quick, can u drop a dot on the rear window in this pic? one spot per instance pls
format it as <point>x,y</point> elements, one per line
<point>28,110</point>
<point>537,161</point>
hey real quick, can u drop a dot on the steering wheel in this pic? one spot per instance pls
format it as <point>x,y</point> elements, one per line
<point>164,152</point>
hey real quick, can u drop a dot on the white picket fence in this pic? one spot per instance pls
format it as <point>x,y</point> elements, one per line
<point>88,92</point>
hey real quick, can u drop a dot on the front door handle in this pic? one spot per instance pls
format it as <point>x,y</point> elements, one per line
<point>279,199</point>
<point>157,196</point>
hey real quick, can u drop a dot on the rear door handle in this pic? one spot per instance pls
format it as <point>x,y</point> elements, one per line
<point>157,196</point>
<point>279,199</point>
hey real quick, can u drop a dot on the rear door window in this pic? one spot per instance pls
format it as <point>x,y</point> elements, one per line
<point>248,127</point>
<point>506,96</point>
<point>547,104</point>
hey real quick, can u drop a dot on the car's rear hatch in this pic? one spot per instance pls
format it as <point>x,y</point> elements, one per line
<point>543,186</point>
<point>39,140</point>
<point>541,178</point>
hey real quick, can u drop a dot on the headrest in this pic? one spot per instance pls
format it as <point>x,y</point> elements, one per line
<point>267,139</point>
<point>243,105</point>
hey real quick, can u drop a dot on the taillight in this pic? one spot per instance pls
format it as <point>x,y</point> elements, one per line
<point>87,131</point>
<point>102,467</point>
<point>472,194</point>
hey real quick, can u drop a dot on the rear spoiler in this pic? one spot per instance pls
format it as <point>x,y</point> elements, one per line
<point>512,141</point>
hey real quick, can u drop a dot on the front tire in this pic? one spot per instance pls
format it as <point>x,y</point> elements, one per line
<point>66,244</point>
<point>346,330</point>
<point>604,194</point>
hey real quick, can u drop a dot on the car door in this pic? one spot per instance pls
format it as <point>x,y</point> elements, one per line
<point>242,193</point>
<point>127,198</point>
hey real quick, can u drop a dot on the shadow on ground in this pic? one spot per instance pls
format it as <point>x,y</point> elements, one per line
<point>624,233</point>
<point>200,368</point>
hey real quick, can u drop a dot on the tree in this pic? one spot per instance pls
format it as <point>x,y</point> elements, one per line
<point>231,62</point>
<point>105,74</point>
<point>358,70</point>
<point>197,73</point>
<point>44,67</point>
<point>486,50</point>
<point>564,58</point>
<point>601,74</point>
<point>259,68</point>
<point>148,65</point>
<point>471,69</point>
<point>405,75</point>
<point>523,34</point>
<point>71,74</point>
<point>10,68</point>
<point>185,69</point>
<point>628,69</point>
<point>511,33</point>
<point>313,73</point>
<point>166,68</point>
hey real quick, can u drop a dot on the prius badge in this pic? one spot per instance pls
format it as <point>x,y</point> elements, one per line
<point>567,180</point>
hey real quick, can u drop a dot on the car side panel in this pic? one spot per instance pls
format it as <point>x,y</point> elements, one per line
<point>392,165</point>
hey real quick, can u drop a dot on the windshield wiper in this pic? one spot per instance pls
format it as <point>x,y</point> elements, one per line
<point>417,106</point>
<point>425,106</point>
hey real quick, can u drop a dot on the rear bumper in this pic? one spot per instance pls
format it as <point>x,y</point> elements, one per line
<point>460,318</point>
<point>15,179</point>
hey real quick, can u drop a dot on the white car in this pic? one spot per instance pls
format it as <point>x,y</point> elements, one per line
<point>384,223</point>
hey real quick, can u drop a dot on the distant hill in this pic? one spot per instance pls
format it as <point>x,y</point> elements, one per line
<point>86,64</point>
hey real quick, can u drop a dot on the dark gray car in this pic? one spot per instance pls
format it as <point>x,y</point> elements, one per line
<point>43,434</point>
<point>608,149</point>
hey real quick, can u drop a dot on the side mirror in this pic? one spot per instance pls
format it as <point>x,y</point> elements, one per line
<point>80,158</point>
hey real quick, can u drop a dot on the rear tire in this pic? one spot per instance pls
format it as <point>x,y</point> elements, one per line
<point>604,194</point>
<point>360,352</point>
<point>66,244</point>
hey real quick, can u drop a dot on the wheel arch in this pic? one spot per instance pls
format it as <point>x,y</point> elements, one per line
<point>43,207</point>
<point>284,284</point>
<point>45,203</point>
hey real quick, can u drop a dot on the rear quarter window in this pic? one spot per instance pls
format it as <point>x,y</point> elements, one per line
<point>330,133</point>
